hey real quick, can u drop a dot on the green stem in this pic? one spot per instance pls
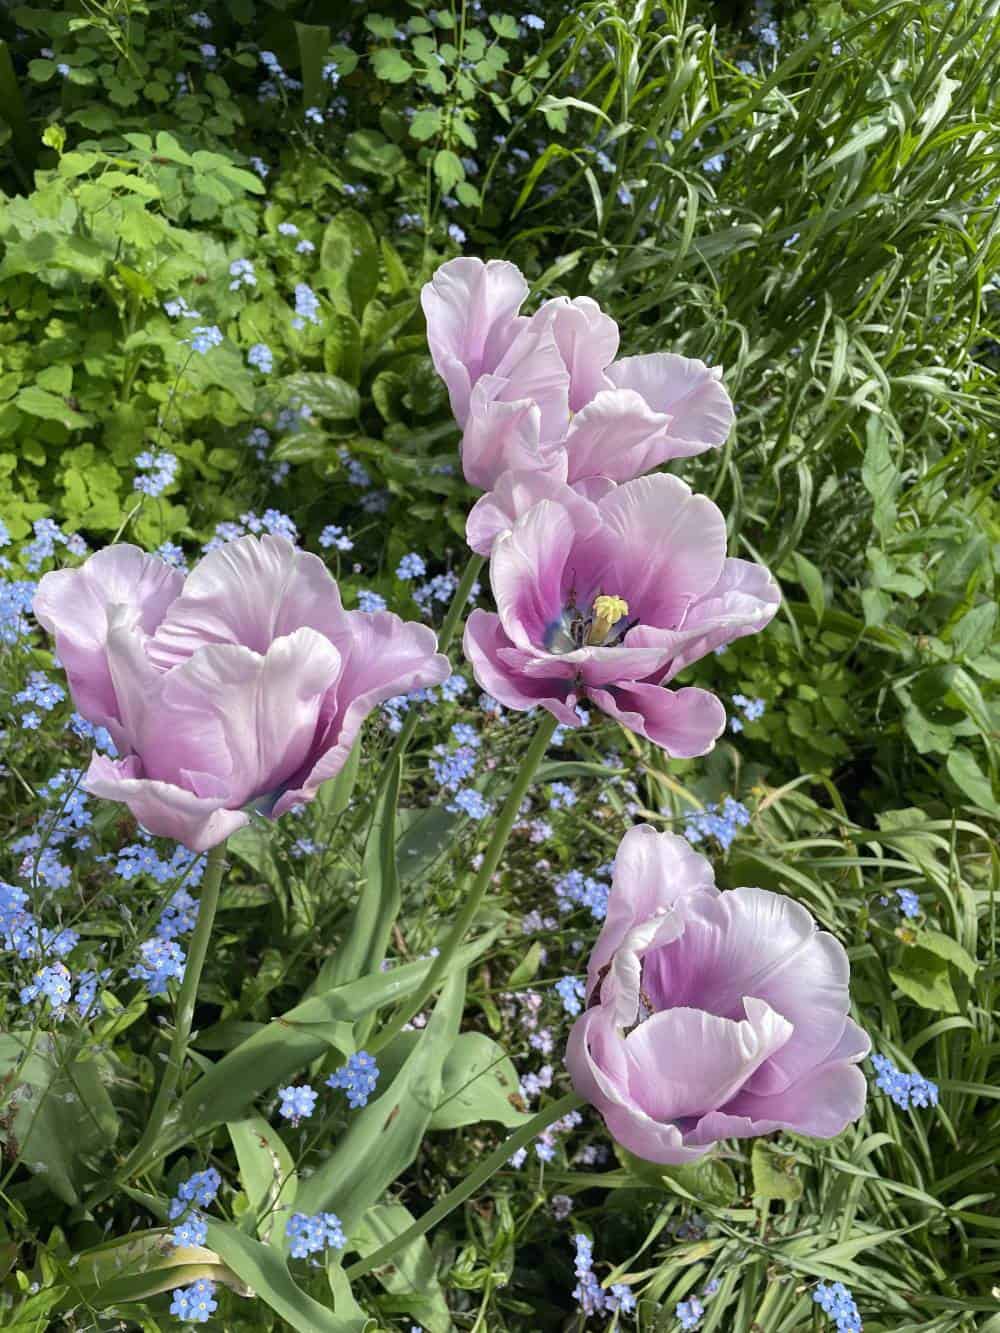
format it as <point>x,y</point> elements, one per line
<point>474,898</point>
<point>207,904</point>
<point>519,1139</point>
<point>447,633</point>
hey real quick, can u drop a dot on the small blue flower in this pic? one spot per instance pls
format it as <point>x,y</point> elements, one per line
<point>297,1103</point>
<point>306,306</point>
<point>533,21</point>
<point>357,1078</point>
<point>689,1312</point>
<point>470,802</point>
<point>572,992</point>
<point>561,796</point>
<point>904,1089</point>
<point>161,960</point>
<point>332,535</point>
<point>192,1231</point>
<point>261,358</point>
<point>311,1235</point>
<point>305,247</point>
<point>370,601</point>
<point>456,233</point>
<point>242,274</point>
<point>204,338</point>
<point>314,115</point>
<point>411,566</point>
<point>288,229</point>
<point>909,903</point>
<point>195,1303</point>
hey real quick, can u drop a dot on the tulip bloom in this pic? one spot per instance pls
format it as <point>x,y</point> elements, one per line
<point>243,685</point>
<point>533,392</point>
<point>607,601</point>
<point>711,1015</point>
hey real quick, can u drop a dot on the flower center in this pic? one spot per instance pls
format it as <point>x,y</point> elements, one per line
<point>604,627</point>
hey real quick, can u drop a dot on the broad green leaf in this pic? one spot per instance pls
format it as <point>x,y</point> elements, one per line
<point>388,64</point>
<point>527,968</point>
<point>63,1112</point>
<point>383,1139</point>
<point>426,123</point>
<point>367,150</point>
<point>448,169</point>
<point>266,1273</point>
<point>708,1181</point>
<point>267,1174</point>
<point>923,976</point>
<point>812,580</point>
<point>326,395</point>
<point>880,475</point>
<point>945,947</point>
<point>775,1174</point>
<point>349,250</point>
<point>966,774</point>
<point>479,1082</point>
<point>39,402</point>
<point>411,1275</point>
<point>363,946</point>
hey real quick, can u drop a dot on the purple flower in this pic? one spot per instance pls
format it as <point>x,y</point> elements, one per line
<point>248,674</point>
<point>610,601</point>
<point>711,1015</point>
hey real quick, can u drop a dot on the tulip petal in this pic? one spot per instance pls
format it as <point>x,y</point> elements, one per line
<point>686,723</point>
<point>619,436</point>
<point>514,494</point>
<point>484,640</point>
<point>72,604</point>
<point>250,592</point>
<point>753,942</point>
<point>662,548</point>
<point>743,601</point>
<point>161,807</point>
<point>685,1062</point>
<point>587,339</point>
<point>652,872</point>
<point>529,571</point>
<point>471,311</point>
<point>821,1104</point>
<point>689,392</point>
<point>384,656</point>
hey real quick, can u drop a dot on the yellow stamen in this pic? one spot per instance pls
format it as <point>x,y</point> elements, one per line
<point>607,613</point>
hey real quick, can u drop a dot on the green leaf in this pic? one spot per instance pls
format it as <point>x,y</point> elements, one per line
<point>63,1112</point>
<point>411,1276</point>
<point>479,1083</point>
<point>363,947</point>
<point>880,475</point>
<point>970,779</point>
<point>426,123</point>
<point>388,64</point>
<point>39,402</point>
<point>367,150</point>
<point>975,632</point>
<point>945,947</point>
<point>349,250</point>
<point>313,40</point>
<point>812,580</point>
<point>708,1181</point>
<point>505,26</point>
<point>923,976</point>
<point>383,1139</point>
<point>326,395</point>
<point>267,1174</point>
<point>263,1270</point>
<point>527,968</point>
<point>448,169</point>
<point>774,1174</point>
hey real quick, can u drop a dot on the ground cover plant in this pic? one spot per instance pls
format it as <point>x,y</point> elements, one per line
<point>344,842</point>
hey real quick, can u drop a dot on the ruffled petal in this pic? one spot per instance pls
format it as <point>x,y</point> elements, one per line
<point>743,601</point>
<point>529,569</point>
<point>686,723</point>
<point>250,592</point>
<point>513,495</point>
<point>384,656</point>
<point>197,822</point>
<point>617,435</point>
<point>821,1104</point>
<point>686,1062</point>
<point>587,339</point>
<point>653,871</point>
<point>661,547</point>
<point>72,604</point>
<point>483,643</point>
<point>685,389</point>
<point>471,311</point>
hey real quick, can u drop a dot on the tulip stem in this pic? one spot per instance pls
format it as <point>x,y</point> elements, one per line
<point>473,900</point>
<point>186,1000</point>
<point>447,633</point>
<point>519,1139</point>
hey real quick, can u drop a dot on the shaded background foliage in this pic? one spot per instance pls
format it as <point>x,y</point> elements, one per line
<point>819,215</point>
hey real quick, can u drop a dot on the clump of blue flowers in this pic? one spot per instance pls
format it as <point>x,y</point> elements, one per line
<point>588,1292</point>
<point>311,1235</point>
<point>719,822</point>
<point>195,1303</point>
<point>836,1301</point>
<point>297,1103</point>
<point>358,1078</point>
<point>906,1090</point>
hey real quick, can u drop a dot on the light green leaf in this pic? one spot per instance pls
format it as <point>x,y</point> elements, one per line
<point>326,395</point>
<point>479,1083</point>
<point>263,1270</point>
<point>388,64</point>
<point>966,774</point>
<point>923,976</point>
<point>267,1173</point>
<point>774,1174</point>
<point>411,1276</point>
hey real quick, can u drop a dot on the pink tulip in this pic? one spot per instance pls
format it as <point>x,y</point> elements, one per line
<point>711,1015</point>
<point>243,685</point>
<point>527,389</point>
<point>607,600</point>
